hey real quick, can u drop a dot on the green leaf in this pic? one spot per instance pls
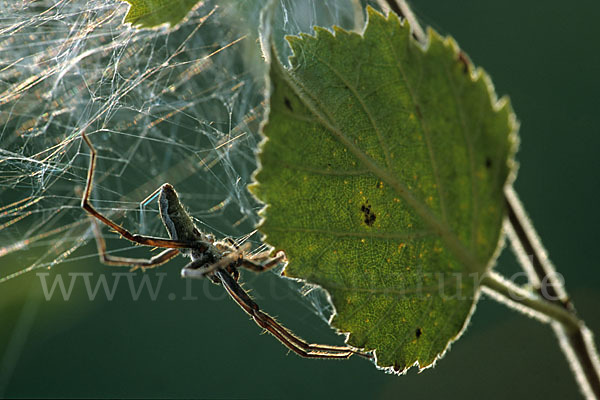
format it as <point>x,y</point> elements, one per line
<point>152,13</point>
<point>383,175</point>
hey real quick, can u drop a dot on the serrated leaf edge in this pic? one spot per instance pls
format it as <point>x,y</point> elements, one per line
<point>497,105</point>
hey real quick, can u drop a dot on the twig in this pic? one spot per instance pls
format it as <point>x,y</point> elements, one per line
<point>528,302</point>
<point>578,345</point>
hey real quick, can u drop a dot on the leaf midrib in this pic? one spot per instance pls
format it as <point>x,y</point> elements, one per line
<point>442,229</point>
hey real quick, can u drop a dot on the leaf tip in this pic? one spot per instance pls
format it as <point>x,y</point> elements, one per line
<point>373,14</point>
<point>293,41</point>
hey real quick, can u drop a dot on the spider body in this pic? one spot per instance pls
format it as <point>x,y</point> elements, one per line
<point>177,221</point>
<point>218,260</point>
<point>208,254</point>
<point>180,226</point>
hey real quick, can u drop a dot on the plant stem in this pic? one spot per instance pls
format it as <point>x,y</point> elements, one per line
<point>533,304</point>
<point>574,337</point>
<point>577,344</point>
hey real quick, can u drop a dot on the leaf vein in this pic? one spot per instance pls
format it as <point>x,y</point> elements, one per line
<point>310,101</point>
<point>366,109</point>
<point>470,151</point>
<point>424,127</point>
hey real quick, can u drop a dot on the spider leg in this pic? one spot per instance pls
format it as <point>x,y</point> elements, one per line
<point>287,338</point>
<point>256,263</point>
<point>140,239</point>
<point>136,263</point>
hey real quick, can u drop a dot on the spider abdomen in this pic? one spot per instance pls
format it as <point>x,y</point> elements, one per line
<point>178,222</point>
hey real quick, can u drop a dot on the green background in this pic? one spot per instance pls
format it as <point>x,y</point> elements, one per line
<point>545,56</point>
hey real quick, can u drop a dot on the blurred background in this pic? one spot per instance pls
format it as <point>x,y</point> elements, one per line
<point>184,106</point>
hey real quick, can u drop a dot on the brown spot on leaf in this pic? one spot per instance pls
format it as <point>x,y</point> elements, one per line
<point>464,60</point>
<point>488,162</point>
<point>368,213</point>
<point>288,104</point>
<point>397,367</point>
<point>418,111</point>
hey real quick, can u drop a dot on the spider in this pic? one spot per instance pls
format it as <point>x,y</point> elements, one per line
<point>218,260</point>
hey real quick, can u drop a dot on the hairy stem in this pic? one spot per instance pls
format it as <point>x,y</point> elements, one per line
<point>575,338</point>
<point>577,344</point>
<point>528,302</point>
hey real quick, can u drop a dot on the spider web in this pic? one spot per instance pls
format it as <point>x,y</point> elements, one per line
<point>159,106</point>
<point>181,105</point>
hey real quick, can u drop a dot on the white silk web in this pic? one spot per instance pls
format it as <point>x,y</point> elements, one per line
<point>177,105</point>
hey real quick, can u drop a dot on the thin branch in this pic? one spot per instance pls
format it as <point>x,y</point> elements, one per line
<point>578,345</point>
<point>531,253</point>
<point>528,302</point>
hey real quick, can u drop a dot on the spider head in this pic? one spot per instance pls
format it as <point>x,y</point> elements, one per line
<point>177,221</point>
